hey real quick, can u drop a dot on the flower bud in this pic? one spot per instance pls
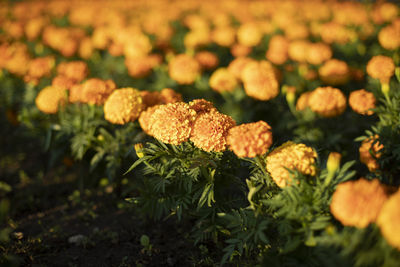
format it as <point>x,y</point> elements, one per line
<point>333,162</point>
<point>138,149</point>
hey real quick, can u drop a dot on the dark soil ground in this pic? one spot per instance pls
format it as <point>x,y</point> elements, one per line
<point>54,224</point>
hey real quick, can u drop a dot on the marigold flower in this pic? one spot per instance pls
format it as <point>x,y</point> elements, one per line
<point>196,38</point>
<point>150,99</point>
<point>172,123</point>
<point>63,82</point>
<point>250,139</point>
<point>302,101</point>
<point>327,101</point>
<point>76,70</point>
<point>50,98</point>
<point>381,67</point>
<point>389,37</point>
<point>237,65</point>
<point>389,220</point>
<point>38,68</point>
<point>298,50</point>
<point>362,101</point>
<point>207,60</point>
<point>317,53</point>
<point>169,95</point>
<point>123,105</point>
<point>210,130</point>
<point>96,91</point>
<point>86,48</point>
<point>358,203</point>
<point>223,36</point>
<point>277,51</point>
<point>223,81</point>
<point>249,34</point>
<point>370,151</point>
<point>140,67</point>
<point>201,106</point>
<point>75,93</point>
<point>184,69</point>
<point>290,156</point>
<point>334,72</point>
<point>260,81</point>
<point>145,119</point>
<point>239,50</point>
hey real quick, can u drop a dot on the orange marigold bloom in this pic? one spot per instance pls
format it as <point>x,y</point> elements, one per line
<point>76,70</point>
<point>277,51</point>
<point>302,101</point>
<point>145,119</point>
<point>223,81</point>
<point>150,99</point>
<point>249,34</point>
<point>75,93</point>
<point>123,105</point>
<point>334,72</point>
<point>172,123</point>
<point>184,69</point>
<point>38,68</point>
<point>96,91</point>
<point>317,53</point>
<point>140,67</point>
<point>290,156</point>
<point>327,101</point>
<point>207,60</point>
<point>381,67</point>
<point>63,82</point>
<point>370,151</point>
<point>239,50</point>
<point>358,203</point>
<point>210,130</point>
<point>298,50</point>
<point>389,220</point>
<point>260,81</point>
<point>362,101</point>
<point>237,65</point>
<point>169,95</point>
<point>201,106</point>
<point>250,139</point>
<point>50,98</point>
<point>389,37</point>
<point>223,36</point>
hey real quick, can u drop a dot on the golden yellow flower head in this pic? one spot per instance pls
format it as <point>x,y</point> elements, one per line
<point>145,119</point>
<point>389,37</point>
<point>63,82</point>
<point>165,96</point>
<point>207,60</point>
<point>389,220</point>
<point>381,67</point>
<point>362,101</point>
<point>75,70</point>
<point>237,65</point>
<point>201,106</point>
<point>223,81</point>
<point>123,105</point>
<point>249,34</point>
<point>96,91</point>
<point>223,36</point>
<point>140,67</point>
<point>40,67</point>
<point>302,101</point>
<point>327,101</point>
<point>318,53</point>
<point>50,98</point>
<point>184,69</point>
<point>358,203</point>
<point>150,98</point>
<point>298,50</point>
<point>169,95</point>
<point>250,139</point>
<point>334,72</point>
<point>290,156</point>
<point>210,130</point>
<point>260,81</point>
<point>277,51</point>
<point>370,151</point>
<point>239,50</point>
<point>172,123</point>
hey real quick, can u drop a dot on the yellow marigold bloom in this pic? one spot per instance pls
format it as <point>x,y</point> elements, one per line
<point>196,38</point>
<point>207,60</point>
<point>184,69</point>
<point>260,81</point>
<point>358,203</point>
<point>370,151</point>
<point>298,50</point>
<point>250,139</point>
<point>223,36</point>
<point>389,37</point>
<point>318,53</point>
<point>327,101</point>
<point>389,220</point>
<point>249,34</point>
<point>75,93</point>
<point>96,91</point>
<point>333,32</point>
<point>63,82</point>
<point>388,11</point>
<point>223,81</point>
<point>239,50</point>
<point>210,130</point>
<point>86,48</point>
<point>38,68</point>
<point>278,48</point>
<point>76,70</point>
<point>123,105</point>
<point>168,95</point>
<point>140,67</point>
<point>50,98</point>
<point>290,156</point>
<point>150,99</point>
<point>381,67</point>
<point>136,44</point>
<point>237,65</point>
<point>334,72</point>
<point>34,26</point>
<point>302,101</point>
<point>296,31</point>
<point>145,119</point>
<point>362,101</point>
<point>172,123</point>
<point>201,106</point>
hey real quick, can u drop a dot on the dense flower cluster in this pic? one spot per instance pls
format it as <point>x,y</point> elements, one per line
<point>290,156</point>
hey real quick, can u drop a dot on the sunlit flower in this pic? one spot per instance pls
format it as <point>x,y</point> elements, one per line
<point>327,101</point>
<point>169,95</point>
<point>223,36</point>
<point>96,91</point>
<point>76,70</point>
<point>362,101</point>
<point>277,51</point>
<point>38,68</point>
<point>389,220</point>
<point>290,156</point>
<point>123,105</point>
<point>381,67</point>
<point>145,119</point>
<point>207,60</point>
<point>302,101</point>
<point>50,98</point>
<point>389,37</point>
<point>140,67</point>
<point>249,34</point>
<point>223,81</point>
<point>317,53</point>
<point>63,82</point>
<point>370,151</point>
<point>237,65</point>
<point>201,106</point>
<point>334,72</point>
<point>358,203</point>
<point>184,69</point>
<point>172,123</point>
<point>260,81</point>
<point>210,130</point>
<point>298,50</point>
<point>239,50</point>
<point>250,139</point>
